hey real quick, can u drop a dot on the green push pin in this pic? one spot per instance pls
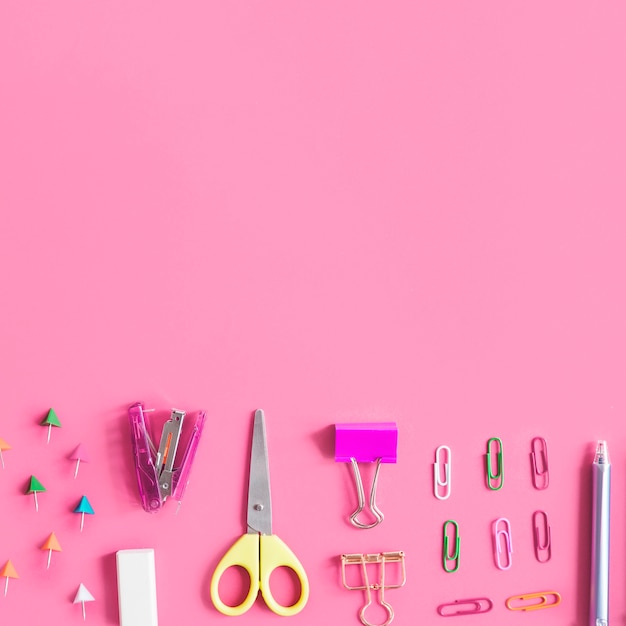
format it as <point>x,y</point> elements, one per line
<point>35,487</point>
<point>51,420</point>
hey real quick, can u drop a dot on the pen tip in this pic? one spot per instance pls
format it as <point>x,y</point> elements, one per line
<point>602,452</point>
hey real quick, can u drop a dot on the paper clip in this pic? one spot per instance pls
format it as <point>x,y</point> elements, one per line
<point>494,448</point>
<point>543,603</point>
<point>366,443</point>
<point>500,535</point>
<point>157,477</point>
<point>539,463</point>
<point>381,559</point>
<point>472,606</point>
<point>543,549</point>
<point>455,557</point>
<point>442,486</point>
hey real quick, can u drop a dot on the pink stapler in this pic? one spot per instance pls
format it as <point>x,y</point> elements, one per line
<point>366,443</point>
<point>157,475</point>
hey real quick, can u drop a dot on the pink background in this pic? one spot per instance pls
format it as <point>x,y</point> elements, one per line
<point>334,211</point>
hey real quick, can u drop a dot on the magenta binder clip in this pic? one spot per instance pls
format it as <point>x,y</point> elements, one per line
<point>366,443</point>
<point>158,473</point>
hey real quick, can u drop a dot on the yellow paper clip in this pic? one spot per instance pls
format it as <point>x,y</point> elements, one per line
<point>542,596</point>
<point>381,559</point>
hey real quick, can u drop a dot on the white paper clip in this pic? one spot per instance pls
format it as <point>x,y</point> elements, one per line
<point>502,536</point>
<point>442,483</point>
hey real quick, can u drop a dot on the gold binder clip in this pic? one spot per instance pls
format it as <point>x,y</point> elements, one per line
<point>381,559</point>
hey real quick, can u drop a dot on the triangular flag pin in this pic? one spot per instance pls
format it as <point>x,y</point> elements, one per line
<point>79,454</point>
<point>8,571</point>
<point>84,506</point>
<point>51,420</point>
<point>50,544</point>
<point>3,447</point>
<point>35,487</point>
<point>83,595</point>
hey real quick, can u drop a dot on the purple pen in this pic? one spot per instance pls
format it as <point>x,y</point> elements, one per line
<point>600,535</point>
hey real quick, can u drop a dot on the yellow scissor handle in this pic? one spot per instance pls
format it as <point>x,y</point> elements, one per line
<point>244,553</point>
<point>275,553</point>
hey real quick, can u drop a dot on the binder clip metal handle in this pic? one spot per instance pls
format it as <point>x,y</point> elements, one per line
<point>376,512</point>
<point>380,560</point>
<point>366,443</point>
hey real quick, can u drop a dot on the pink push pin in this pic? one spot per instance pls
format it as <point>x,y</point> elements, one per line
<point>80,454</point>
<point>366,443</point>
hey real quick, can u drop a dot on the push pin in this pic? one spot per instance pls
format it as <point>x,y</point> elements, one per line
<point>157,475</point>
<point>3,447</point>
<point>366,443</point>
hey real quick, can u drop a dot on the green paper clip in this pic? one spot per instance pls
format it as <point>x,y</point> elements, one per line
<point>494,480</point>
<point>455,557</point>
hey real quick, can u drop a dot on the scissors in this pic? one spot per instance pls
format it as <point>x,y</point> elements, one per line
<point>259,551</point>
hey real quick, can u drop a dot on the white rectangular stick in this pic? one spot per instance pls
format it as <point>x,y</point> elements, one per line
<point>136,587</point>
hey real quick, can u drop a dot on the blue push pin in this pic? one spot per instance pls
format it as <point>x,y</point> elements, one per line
<point>84,506</point>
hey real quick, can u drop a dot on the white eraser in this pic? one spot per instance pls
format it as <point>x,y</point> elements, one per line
<point>136,587</point>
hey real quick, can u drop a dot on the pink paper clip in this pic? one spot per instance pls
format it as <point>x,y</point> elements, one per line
<point>543,548</point>
<point>471,606</point>
<point>500,536</point>
<point>539,463</point>
<point>366,443</point>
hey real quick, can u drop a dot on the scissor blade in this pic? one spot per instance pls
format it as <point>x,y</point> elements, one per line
<point>259,501</point>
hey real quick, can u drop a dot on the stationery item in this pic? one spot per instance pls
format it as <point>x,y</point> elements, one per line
<point>259,551</point>
<point>35,487</point>
<point>80,454</point>
<point>136,587</point>
<point>382,561</point>
<point>51,544</point>
<point>494,456</point>
<point>451,559</point>
<point>442,473</point>
<point>158,476</point>
<point>547,600</point>
<point>83,595</point>
<point>8,571</point>
<point>4,446</point>
<point>539,463</point>
<point>51,420</point>
<point>84,507</point>
<point>600,536</point>
<point>542,536</point>
<point>471,606</point>
<point>366,443</point>
<point>502,543</point>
